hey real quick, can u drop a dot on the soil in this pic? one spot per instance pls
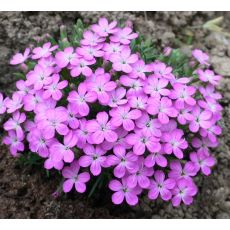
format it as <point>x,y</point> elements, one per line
<point>26,191</point>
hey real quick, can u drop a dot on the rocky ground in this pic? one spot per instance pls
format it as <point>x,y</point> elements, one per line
<point>25,192</point>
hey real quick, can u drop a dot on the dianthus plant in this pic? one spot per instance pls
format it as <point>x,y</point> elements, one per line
<point>105,101</point>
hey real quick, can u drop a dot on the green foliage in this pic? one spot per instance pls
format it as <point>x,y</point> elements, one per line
<point>30,159</point>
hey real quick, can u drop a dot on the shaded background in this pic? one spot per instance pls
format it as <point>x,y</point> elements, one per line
<point>25,192</point>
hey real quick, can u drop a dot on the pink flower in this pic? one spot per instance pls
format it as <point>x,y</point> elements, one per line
<point>117,97</point>
<point>94,158</point>
<point>101,129</point>
<point>140,140</point>
<point>124,116</point>
<point>20,58</point>
<point>54,89</point>
<point>79,99</point>
<point>139,69</point>
<point>31,101</point>
<point>103,28</point>
<point>161,187</point>
<point>15,103</point>
<point>183,95</point>
<point>135,85</point>
<point>54,121</point>
<point>211,132</point>
<point>91,39</point>
<point>39,144</point>
<point>66,57</point>
<point>209,91</point>
<point>59,152</point>
<point>140,175</point>
<point>90,52</point>
<point>167,51</point>
<point>72,118</point>
<point>162,108</point>
<point>111,48</point>
<point>39,77</point>
<point>124,162</point>
<point>202,162</point>
<point>201,119</point>
<point>200,56</point>
<point>174,143</point>
<point>185,115</point>
<point>138,101</point>
<point>123,61</point>
<point>14,123</point>
<point>23,88</point>
<point>102,86</point>
<point>2,105</point>
<point>208,76</point>
<point>148,125</point>
<point>81,66</point>
<point>44,51</point>
<point>124,36</point>
<point>156,87</point>
<point>122,191</point>
<point>75,178</point>
<point>183,191</point>
<point>15,142</point>
<point>162,71</point>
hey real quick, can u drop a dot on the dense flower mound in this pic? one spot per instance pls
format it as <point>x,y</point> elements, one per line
<point>100,106</point>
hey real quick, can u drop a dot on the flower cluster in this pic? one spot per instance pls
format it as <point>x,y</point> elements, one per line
<point>101,105</point>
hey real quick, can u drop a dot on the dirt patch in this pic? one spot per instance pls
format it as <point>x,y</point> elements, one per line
<point>25,192</point>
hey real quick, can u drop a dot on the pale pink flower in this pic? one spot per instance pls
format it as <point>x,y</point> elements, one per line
<point>104,28</point>
<point>200,56</point>
<point>44,51</point>
<point>20,58</point>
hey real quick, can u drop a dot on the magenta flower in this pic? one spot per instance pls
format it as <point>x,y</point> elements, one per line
<point>139,69</point>
<point>104,28</point>
<point>123,61</point>
<point>155,158</point>
<point>23,88</point>
<point>124,162</point>
<point>200,56</point>
<point>49,164</point>
<point>117,97</point>
<point>80,98</point>
<point>15,142</point>
<point>39,77</point>
<point>161,187</point>
<point>124,116</point>
<point>101,129</point>
<point>177,171</point>
<point>211,132</point>
<point>185,115</point>
<point>20,58</point>
<point>175,143</point>
<point>59,152</point>
<point>124,36</point>
<point>90,52</point>
<point>122,191</point>
<point>162,108</point>
<point>2,105</point>
<point>91,39</point>
<point>44,51</point>
<point>209,91</point>
<point>102,86</point>
<point>94,158</point>
<point>162,71</point>
<point>148,125</point>
<point>15,103</point>
<point>66,57</point>
<point>32,101</point>
<point>156,87</point>
<point>140,175</point>
<point>140,140</point>
<point>201,119</point>
<point>111,48</point>
<point>81,66</point>
<point>15,122</point>
<point>54,89</point>
<point>183,95</point>
<point>75,178</point>
<point>54,121</point>
<point>208,76</point>
<point>183,191</point>
<point>138,101</point>
<point>202,162</point>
